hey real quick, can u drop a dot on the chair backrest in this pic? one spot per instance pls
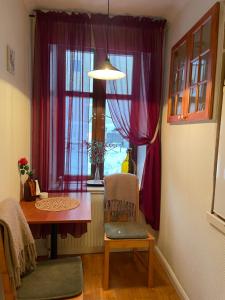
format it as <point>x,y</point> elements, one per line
<point>7,288</point>
<point>121,198</point>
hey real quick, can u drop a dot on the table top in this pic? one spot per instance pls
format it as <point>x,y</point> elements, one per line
<point>80,214</point>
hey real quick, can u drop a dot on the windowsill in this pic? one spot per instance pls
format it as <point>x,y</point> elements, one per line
<point>95,189</point>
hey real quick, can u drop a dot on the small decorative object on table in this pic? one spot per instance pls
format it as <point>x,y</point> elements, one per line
<point>97,152</point>
<point>43,195</point>
<point>57,203</point>
<point>29,187</point>
<point>128,165</point>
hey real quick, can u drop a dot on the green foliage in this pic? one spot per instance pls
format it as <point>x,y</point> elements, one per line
<point>97,151</point>
<point>24,167</point>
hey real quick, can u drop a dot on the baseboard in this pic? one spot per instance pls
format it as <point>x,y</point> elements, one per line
<point>181,292</point>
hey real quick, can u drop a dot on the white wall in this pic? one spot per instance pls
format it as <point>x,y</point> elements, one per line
<point>194,249</point>
<point>14,95</point>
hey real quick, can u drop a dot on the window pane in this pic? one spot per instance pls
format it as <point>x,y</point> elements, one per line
<point>175,61</point>
<point>114,157</point>
<point>206,36</point>
<point>192,100</point>
<point>181,80</point>
<point>179,103</point>
<point>178,72</point>
<point>181,55</point>
<point>196,44</point>
<point>194,72</point>
<point>77,130</point>
<point>172,112</point>
<point>202,97</point>
<point>123,86</point>
<point>78,64</point>
<point>174,83</point>
<point>204,67</point>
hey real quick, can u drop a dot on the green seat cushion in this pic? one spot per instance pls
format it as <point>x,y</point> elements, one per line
<point>125,230</point>
<point>53,279</point>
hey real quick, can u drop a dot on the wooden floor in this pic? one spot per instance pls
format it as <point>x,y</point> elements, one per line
<point>127,279</point>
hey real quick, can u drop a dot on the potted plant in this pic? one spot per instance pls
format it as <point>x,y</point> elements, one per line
<point>29,187</point>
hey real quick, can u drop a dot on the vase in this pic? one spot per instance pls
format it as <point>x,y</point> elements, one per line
<point>97,173</point>
<point>29,189</point>
<point>129,165</point>
<point>21,190</point>
<point>96,181</point>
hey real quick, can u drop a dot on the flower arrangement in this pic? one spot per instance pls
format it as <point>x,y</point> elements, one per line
<point>97,151</point>
<point>24,167</point>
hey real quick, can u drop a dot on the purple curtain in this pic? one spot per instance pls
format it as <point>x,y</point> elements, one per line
<point>62,94</point>
<point>135,46</point>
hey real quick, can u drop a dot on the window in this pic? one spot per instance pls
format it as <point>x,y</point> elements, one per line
<point>115,157</point>
<point>78,107</point>
<point>192,73</point>
<point>96,119</point>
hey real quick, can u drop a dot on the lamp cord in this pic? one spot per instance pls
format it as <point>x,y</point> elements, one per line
<point>107,34</point>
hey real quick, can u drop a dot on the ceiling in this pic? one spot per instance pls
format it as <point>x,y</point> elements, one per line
<point>154,8</point>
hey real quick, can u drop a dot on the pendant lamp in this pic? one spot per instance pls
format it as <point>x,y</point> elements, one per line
<point>106,71</point>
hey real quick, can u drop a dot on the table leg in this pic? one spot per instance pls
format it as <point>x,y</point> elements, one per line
<point>53,241</point>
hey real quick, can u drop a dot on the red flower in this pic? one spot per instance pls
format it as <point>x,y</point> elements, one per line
<point>23,161</point>
<point>24,167</point>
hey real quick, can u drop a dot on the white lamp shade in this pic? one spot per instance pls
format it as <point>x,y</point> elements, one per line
<point>106,71</point>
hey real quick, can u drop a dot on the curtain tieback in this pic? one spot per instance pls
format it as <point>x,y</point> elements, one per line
<point>155,134</point>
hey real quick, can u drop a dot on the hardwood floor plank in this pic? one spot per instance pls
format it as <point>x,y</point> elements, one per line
<point>127,279</point>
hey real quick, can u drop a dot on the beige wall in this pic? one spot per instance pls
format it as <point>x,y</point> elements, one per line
<point>14,95</point>
<point>194,250</point>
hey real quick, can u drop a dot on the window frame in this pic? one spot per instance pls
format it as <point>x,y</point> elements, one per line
<point>99,98</point>
<point>205,114</point>
<point>99,108</point>
<point>81,94</point>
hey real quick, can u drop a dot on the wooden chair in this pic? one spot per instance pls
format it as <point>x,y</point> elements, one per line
<point>9,292</point>
<point>122,230</point>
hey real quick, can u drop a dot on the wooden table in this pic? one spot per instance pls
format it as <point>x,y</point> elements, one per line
<point>80,214</point>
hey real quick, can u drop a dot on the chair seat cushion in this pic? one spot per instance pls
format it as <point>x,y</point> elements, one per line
<point>125,230</point>
<point>53,279</point>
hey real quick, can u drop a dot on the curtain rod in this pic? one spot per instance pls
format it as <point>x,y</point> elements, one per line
<point>68,12</point>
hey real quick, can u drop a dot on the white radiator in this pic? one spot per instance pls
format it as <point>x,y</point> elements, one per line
<point>92,241</point>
